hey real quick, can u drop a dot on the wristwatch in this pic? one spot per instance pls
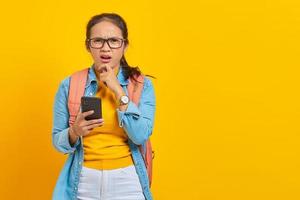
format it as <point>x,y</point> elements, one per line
<point>124,100</point>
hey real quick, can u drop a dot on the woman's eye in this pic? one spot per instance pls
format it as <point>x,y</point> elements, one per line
<point>98,40</point>
<point>113,40</point>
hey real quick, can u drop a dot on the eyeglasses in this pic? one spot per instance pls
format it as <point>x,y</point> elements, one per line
<point>98,43</point>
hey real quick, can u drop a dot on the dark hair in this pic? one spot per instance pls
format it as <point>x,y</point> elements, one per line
<point>119,22</point>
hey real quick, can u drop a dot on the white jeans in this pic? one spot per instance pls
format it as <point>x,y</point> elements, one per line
<point>116,184</point>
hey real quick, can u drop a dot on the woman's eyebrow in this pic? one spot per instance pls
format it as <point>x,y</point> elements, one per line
<point>107,37</point>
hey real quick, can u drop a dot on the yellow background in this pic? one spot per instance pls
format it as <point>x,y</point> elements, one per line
<point>227,87</point>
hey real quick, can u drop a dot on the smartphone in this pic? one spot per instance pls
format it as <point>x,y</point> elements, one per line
<point>91,103</point>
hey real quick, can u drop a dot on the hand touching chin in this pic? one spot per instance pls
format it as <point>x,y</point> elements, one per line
<point>102,67</point>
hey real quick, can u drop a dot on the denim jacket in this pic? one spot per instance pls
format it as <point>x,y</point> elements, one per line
<point>137,122</point>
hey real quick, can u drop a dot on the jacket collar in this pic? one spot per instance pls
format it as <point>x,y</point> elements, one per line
<point>93,78</point>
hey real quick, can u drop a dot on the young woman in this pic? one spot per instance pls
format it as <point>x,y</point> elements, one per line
<point>104,161</point>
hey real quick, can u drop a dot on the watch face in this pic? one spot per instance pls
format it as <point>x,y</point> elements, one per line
<point>124,99</point>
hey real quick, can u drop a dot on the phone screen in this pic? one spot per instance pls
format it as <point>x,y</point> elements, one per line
<point>91,103</point>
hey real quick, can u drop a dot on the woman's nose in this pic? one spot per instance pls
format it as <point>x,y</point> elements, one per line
<point>105,46</point>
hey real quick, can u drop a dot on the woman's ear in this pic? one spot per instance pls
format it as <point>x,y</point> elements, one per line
<point>125,48</point>
<point>87,46</point>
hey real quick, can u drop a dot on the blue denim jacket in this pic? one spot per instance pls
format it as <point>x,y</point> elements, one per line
<point>137,122</point>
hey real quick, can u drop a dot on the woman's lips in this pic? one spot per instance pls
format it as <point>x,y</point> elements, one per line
<point>105,58</point>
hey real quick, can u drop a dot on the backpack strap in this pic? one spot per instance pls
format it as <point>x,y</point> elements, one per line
<point>135,88</point>
<point>76,91</point>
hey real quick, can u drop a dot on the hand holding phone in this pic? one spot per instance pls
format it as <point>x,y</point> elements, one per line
<point>82,127</point>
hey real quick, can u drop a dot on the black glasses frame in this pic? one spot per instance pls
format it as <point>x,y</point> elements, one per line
<point>105,41</point>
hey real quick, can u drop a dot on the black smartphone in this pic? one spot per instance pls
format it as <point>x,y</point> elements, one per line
<point>91,103</point>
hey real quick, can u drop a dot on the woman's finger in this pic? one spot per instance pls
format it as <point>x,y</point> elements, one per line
<point>93,121</point>
<point>90,127</point>
<point>85,114</point>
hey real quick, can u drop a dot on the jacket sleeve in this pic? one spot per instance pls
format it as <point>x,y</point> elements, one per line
<point>138,120</point>
<point>60,135</point>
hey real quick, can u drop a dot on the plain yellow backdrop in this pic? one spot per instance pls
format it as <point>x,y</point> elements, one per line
<point>227,88</point>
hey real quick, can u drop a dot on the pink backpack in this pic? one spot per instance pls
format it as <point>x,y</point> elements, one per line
<point>76,91</point>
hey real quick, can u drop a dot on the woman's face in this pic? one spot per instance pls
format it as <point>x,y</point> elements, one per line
<point>106,56</point>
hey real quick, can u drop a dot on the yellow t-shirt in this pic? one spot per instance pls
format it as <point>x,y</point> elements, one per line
<point>106,147</point>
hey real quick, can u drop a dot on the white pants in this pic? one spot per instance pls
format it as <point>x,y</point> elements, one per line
<point>116,184</point>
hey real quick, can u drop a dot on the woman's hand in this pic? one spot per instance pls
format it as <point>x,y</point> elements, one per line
<point>108,76</point>
<point>82,127</point>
